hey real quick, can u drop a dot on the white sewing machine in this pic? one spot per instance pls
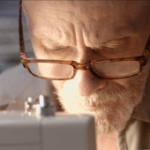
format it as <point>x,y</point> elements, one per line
<point>42,130</point>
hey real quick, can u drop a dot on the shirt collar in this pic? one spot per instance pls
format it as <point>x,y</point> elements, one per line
<point>142,111</point>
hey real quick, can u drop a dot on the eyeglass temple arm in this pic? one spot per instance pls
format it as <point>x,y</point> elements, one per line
<point>146,54</point>
<point>148,44</point>
<point>21,37</point>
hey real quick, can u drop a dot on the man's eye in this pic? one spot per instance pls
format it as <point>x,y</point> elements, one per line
<point>56,51</point>
<point>110,50</point>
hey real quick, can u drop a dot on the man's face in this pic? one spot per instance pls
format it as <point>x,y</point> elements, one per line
<point>86,30</point>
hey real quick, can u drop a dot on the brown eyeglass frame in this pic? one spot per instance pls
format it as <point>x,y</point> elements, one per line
<point>87,66</point>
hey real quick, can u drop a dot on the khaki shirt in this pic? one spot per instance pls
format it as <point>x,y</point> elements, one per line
<point>136,135</point>
<point>18,84</point>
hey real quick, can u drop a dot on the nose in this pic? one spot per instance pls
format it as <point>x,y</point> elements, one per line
<point>86,83</point>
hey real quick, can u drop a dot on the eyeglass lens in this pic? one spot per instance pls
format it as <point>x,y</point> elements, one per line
<point>51,70</point>
<point>116,69</point>
<point>103,69</point>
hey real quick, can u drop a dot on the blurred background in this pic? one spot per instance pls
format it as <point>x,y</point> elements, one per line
<point>16,83</point>
<point>9,36</point>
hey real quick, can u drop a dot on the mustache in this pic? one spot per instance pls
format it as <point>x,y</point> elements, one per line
<point>111,93</point>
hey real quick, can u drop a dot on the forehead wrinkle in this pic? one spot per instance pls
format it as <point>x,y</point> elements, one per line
<point>114,32</point>
<point>118,32</point>
<point>129,26</point>
<point>46,39</point>
<point>44,32</point>
<point>70,16</point>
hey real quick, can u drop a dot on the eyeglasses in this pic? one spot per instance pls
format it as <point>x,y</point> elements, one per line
<point>64,70</point>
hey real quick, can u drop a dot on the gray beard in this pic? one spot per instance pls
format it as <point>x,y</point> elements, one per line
<point>117,103</point>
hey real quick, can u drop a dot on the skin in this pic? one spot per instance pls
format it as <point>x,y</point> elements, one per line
<point>84,31</point>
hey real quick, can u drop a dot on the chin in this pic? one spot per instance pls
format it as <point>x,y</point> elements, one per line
<point>109,118</point>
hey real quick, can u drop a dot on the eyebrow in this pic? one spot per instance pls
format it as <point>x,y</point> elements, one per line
<point>121,33</point>
<point>119,41</point>
<point>51,44</point>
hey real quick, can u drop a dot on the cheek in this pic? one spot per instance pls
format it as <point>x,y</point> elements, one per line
<point>135,81</point>
<point>59,84</point>
<point>123,82</point>
<point>67,87</point>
